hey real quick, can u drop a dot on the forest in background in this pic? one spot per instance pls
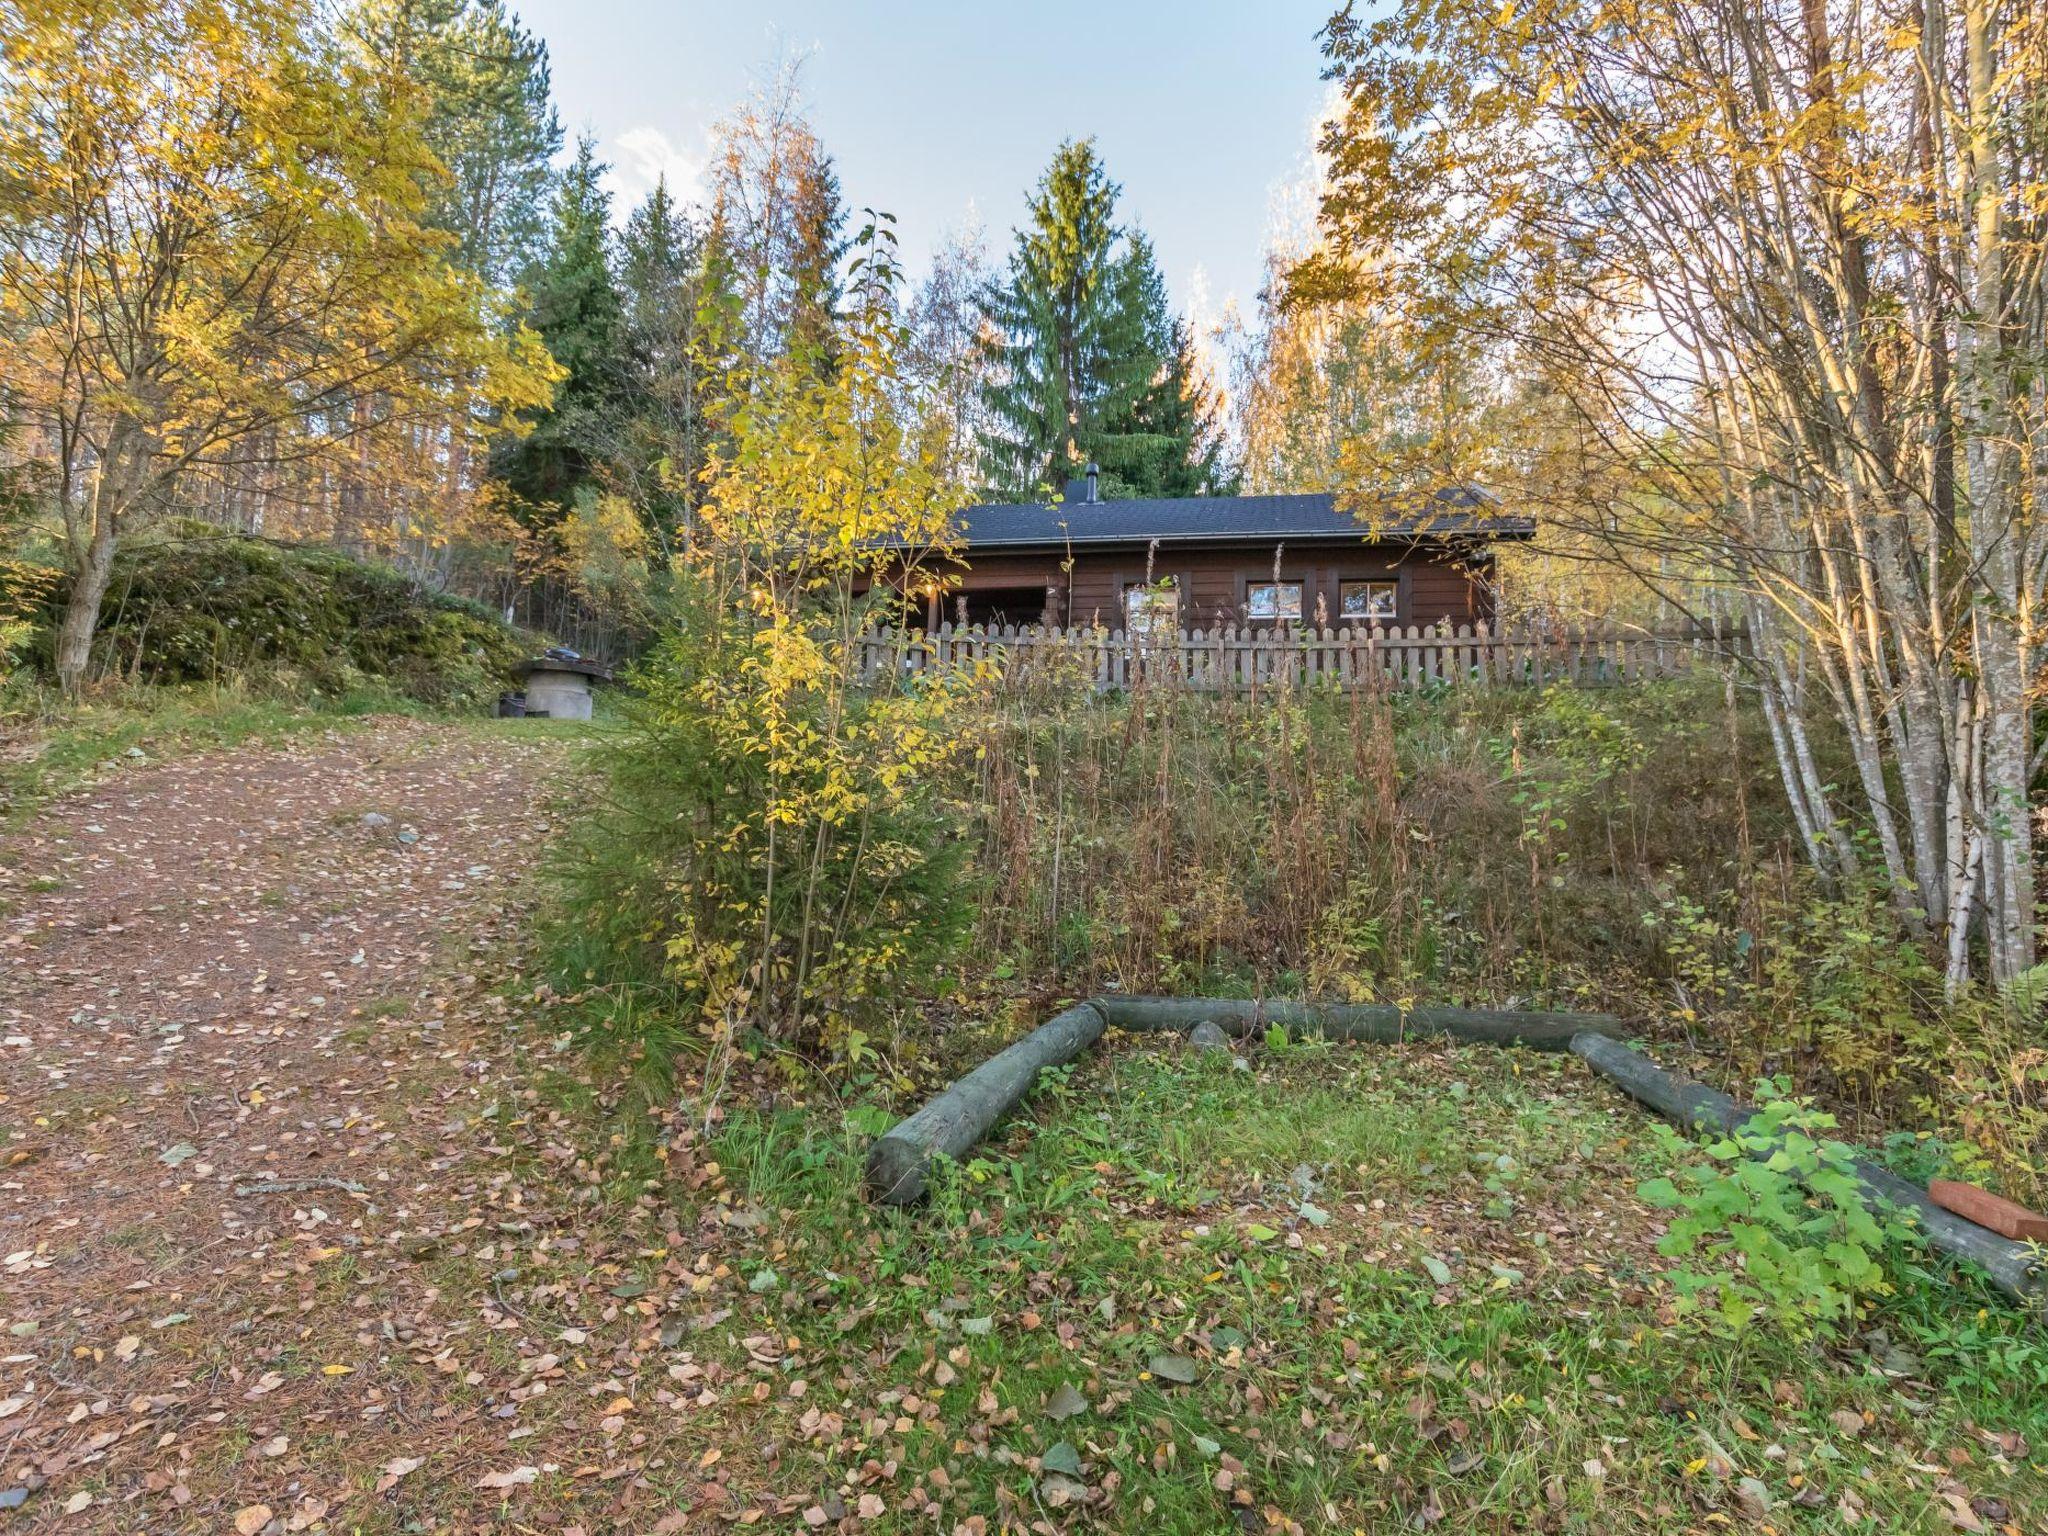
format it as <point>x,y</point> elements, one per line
<point>526,420</point>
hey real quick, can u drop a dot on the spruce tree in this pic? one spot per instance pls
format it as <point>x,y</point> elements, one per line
<point>576,310</point>
<point>1183,415</point>
<point>1049,318</point>
<point>1135,344</point>
<point>1083,362</point>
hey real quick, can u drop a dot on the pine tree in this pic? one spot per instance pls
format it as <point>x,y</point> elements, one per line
<point>576,310</point>
<point>489,121</point>
<point>1083,362</point>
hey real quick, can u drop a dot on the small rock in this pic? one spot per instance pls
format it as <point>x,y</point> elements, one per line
<point>375,819</point>
<point>1208,1036</point>
<point>13,1498</point>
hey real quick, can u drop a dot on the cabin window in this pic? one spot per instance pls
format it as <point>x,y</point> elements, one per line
<point>1368,602</point>
<point>1152,609</point>
<point>1273,601</point>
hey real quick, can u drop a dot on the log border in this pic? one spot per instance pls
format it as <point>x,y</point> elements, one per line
<point>2015,1268</point>
<point>951,1123</point>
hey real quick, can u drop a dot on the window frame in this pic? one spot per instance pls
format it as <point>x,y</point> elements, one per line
<point>1298,583</point>
<point>1392,584</point>
<point>1167,587</point>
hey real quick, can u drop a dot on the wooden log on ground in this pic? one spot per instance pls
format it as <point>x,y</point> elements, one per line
<point>900,1162</point>
<point>2013,1267</point>
<point>1372,1022</point>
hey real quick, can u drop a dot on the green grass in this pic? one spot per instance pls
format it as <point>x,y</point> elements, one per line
<point>1415,1285</point>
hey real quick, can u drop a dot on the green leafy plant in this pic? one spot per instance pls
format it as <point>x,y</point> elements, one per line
<point>1773,1222</point>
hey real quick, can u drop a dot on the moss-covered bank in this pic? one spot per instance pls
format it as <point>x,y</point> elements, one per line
<point>208,607</point>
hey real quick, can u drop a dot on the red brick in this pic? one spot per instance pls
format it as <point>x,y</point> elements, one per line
<point>1988,1210</point>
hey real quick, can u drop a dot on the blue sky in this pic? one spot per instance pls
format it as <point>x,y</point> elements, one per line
<point>938,112</point>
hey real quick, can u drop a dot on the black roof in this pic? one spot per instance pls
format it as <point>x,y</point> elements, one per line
<point>1458,512</point>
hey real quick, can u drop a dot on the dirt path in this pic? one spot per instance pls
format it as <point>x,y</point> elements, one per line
<point>248,1104</point>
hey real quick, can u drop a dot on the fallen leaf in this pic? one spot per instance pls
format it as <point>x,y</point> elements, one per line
<point>1065,1402</point>
<point>251,1518</point>
<point>1174,1368</point>
<point>396,1468</point>
<point>1062,1457</point>
<point>518,1477</point>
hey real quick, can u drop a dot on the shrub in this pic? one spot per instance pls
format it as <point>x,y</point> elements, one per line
<point>26,590</point>
<point>780,831</point>
<point>1772,1221</point>
<point>776,847</point>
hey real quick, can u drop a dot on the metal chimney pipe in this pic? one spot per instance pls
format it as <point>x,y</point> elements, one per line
<point>1094,474</point>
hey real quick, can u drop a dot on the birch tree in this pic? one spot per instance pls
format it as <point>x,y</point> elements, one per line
<point>1782,261</point>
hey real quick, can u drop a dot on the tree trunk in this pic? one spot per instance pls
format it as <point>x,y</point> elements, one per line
<point>82,607</point>
<point>1385,1024</point>
<point>951,1124</point>
<point>1997,524</point>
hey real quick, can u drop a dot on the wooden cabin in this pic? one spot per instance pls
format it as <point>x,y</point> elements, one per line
<point>1201,562</point>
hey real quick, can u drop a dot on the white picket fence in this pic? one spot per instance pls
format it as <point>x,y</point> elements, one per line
<point>1248,658</point>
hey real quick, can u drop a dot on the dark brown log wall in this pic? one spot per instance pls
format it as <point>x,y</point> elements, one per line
<point>1437,583</point>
